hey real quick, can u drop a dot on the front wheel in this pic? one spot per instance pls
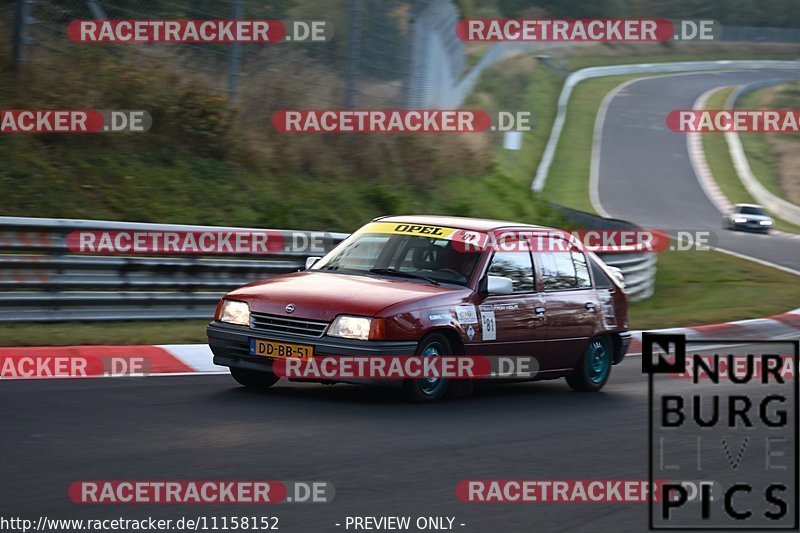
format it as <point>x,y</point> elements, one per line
<point>427,390</point>
<point>254,379</point>
<point>594,368</point>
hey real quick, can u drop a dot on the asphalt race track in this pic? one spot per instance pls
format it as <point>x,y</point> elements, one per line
<point>644,171</point>
<point>384,456</point>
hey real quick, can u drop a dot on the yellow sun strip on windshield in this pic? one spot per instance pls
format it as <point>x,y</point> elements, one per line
<point>426,230</point>
<point>423,230</point>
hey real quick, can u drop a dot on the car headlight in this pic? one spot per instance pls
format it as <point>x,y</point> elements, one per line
<point>765,222</point>
<point>350,327</point>
<point>234,312</point>
<point>740,220</point>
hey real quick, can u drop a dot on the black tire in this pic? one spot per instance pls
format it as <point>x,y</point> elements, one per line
<point>254,379</point>
<point>594,368</point>
<point>425,390</point>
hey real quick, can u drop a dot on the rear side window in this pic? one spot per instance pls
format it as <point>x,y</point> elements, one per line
<point>750,210</point>
<point>514,265</point>
<point>601,279</point>
<point>564,270</point>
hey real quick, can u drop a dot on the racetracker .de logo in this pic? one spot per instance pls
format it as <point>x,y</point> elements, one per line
<point>592,30</point>
<point>608,241</point>
<point>59,362</point>
<point>175,492</point>
<point>176,242</point>
<point>381,121</point>
<point>554,491</point>
<point>74,121</point>
<point>738,121</point>
<point>405,367</point>
<point>176,31</point>
<point>200,492</point>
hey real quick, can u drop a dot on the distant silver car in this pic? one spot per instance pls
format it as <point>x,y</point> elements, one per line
<point>749,217</point>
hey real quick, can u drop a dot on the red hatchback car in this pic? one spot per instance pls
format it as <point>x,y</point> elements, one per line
<point>432,286</point>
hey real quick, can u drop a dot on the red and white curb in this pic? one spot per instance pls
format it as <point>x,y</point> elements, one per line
<point>107,361</point>
<point>197,359</point>
<point>785,326</point>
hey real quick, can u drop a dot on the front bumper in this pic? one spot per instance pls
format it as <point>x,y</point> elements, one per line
<point>230,345</point>
<point>751,226</point>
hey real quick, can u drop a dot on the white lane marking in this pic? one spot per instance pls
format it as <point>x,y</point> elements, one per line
<point>597,142</point>
<point>759,261</point>
<point>700,166</point>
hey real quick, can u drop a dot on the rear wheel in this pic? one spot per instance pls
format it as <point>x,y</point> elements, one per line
<point>594,368</point>
<point>254,379</point>
<point>429,389</point>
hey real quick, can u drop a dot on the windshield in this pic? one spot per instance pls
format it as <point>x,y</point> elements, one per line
<point>404,256</point>
<point>751,210</point>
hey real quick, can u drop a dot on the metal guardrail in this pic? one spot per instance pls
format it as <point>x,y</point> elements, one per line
<point>42,280</point>
<point>639,271</point>
<point>638,268</point>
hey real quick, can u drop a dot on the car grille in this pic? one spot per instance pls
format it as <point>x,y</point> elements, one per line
<point>299,327</point>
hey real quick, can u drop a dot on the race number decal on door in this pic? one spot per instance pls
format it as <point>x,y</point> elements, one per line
<point>488,323</point>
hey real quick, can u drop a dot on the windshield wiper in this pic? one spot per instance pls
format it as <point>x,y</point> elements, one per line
<point>402,274</point>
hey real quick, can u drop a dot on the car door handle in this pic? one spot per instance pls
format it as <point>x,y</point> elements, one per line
<point>590,306</point>
<point>539,310</point>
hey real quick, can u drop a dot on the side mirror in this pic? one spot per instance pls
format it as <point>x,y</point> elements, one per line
<point>311,261</point>
<point>499,285</point>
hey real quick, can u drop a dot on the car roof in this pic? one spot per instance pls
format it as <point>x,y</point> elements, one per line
<point>747,205</point>
<point>468,223</point>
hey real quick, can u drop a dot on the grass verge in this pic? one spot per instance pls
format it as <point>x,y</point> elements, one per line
<point>568,179</point>
<point>106,333</point>
<point>697,287</point>
<point>774,156</point>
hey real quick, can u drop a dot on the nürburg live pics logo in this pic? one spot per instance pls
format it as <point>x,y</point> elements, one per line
<point>723,433</point>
